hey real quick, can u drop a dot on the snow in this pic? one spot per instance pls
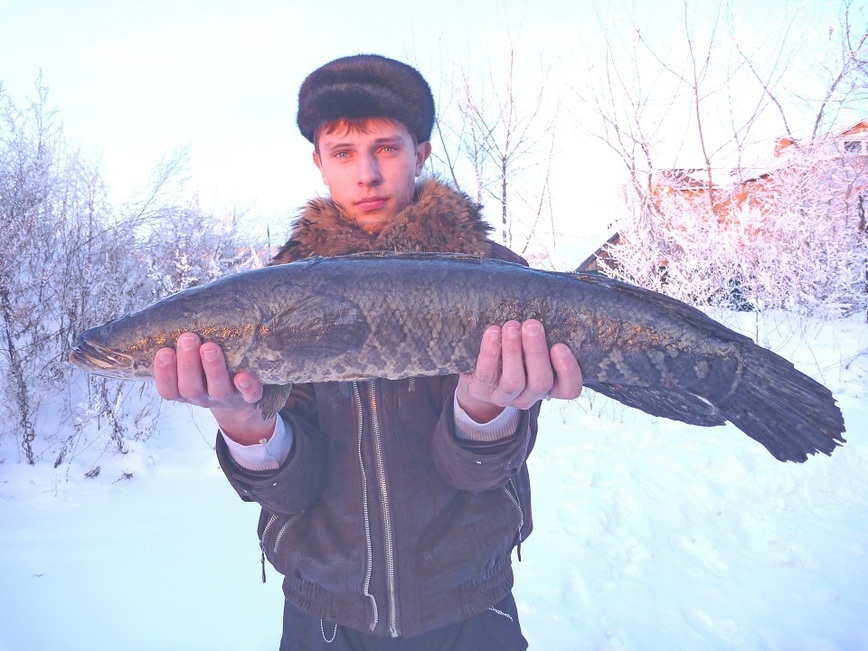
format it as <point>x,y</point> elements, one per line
<point>649,534</point>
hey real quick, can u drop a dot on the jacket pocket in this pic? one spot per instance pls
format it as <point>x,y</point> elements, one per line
<point>271,530</point>
<point>511,491</point>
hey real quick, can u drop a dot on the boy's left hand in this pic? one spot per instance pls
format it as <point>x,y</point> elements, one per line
<point>516,368</point>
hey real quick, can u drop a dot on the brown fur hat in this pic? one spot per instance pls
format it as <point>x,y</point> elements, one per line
<point>366,86</point>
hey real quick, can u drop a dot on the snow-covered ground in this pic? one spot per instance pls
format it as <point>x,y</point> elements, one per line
<point>649,535</point>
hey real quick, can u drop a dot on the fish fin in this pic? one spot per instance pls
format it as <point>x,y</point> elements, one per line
<point>666,403</point>
<point>791,414</point>
<point>686,313</point>
<point>433,256</point>
<point>274,396</point>
<point>321,327</point>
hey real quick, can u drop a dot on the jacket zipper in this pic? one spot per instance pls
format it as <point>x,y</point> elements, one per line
<point>369,551</point>
<point>513,497</point>
<point>286,525</point>
<point>271,520</point>
<point>385,503</point>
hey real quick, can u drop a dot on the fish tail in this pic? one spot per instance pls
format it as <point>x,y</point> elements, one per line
<point>791,414</point>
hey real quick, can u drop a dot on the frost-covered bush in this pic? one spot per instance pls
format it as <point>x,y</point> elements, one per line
<point>70,260</point>
<point>793,238</point>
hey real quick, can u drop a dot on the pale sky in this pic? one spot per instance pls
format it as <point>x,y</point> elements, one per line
<point>135,80</point>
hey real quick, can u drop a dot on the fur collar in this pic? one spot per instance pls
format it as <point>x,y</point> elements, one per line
<point>440,219</point>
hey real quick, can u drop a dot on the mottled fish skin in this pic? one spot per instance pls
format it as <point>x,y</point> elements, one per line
<point>407,315</point>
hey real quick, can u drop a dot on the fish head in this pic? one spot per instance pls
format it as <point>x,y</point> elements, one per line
<point>112,351</point>
<point>222,312</point>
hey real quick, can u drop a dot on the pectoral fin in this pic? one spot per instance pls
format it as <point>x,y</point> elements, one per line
<point>320,328</point>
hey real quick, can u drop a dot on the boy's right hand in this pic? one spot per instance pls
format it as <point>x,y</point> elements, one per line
<point>196,373</point>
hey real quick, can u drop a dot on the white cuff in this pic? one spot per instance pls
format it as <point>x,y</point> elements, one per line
<point>268,454</point>
<point>498,428</point>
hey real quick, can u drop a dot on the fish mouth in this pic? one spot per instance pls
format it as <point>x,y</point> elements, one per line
<point>92,357</point>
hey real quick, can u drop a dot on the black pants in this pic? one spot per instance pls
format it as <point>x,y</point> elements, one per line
<point>495,629</point>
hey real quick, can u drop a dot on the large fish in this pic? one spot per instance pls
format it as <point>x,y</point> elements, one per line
<point>403,315</point>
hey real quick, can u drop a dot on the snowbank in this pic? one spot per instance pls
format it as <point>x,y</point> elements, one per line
<point>649,535</point>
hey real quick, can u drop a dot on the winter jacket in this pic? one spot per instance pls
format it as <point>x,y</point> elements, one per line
<point>381,519</point>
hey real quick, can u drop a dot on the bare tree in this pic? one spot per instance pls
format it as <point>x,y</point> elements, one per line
<point>847,73</point>
<point>26,192</point>
<point>69,260</point>
<point>503,139</point>
<point>691,231</point>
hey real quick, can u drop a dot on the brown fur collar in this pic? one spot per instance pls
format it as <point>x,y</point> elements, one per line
<point>440,218</point>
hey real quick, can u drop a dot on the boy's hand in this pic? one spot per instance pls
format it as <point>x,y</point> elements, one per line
<point>516,368</point>
<point>196,373</point>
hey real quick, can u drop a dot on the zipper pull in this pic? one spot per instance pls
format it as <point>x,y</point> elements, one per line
<point>262,560</point>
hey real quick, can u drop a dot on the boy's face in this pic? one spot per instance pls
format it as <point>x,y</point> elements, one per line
<point>371,172</point>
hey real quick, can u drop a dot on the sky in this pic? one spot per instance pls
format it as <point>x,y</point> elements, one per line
<point>134,82</point>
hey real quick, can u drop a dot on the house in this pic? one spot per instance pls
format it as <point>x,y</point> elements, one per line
<point>854,140</point>
<point>592,262</point>
<point>752,188</point>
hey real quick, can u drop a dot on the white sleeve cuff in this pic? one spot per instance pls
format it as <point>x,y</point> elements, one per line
<point>498,428</point>
<point>268,454</point>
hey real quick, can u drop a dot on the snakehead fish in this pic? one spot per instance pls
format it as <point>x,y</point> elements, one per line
<point>395,316</point>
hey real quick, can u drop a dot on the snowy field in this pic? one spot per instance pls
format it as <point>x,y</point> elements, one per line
<point>649,535</point>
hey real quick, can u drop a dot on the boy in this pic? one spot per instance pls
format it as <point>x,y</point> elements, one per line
<point>391,507</point>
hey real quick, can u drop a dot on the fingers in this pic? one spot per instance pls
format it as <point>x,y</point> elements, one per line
<point>512,376</point>
<point>166,374</point>
<point>537,364</point>
<point>197,373</point>
<point>499,376</point>
<point>516,368</point>
<point>249,388</point>
<point>568,375</point>
<point>487,371</point>
<point>192,384</point>
<point>526,373</point>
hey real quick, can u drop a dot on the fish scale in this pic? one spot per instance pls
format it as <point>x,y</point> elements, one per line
<point>400,315</point>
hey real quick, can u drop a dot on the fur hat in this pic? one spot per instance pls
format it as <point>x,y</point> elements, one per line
<point>366,86</point>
